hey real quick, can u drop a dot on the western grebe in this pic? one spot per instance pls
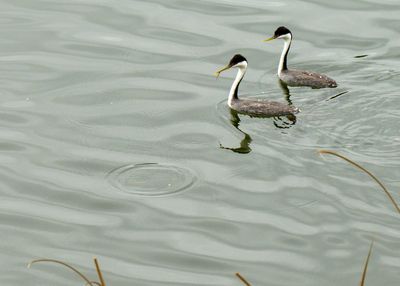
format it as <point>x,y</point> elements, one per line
<point>260,108</point>
<point>297,77</point>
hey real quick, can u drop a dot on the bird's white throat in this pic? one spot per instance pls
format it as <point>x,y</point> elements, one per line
<point>233,93</point>
<point>288,39</point>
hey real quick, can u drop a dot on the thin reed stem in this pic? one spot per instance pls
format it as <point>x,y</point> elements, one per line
<point>102,283</point>
<point>366,171</point>
<point>242,279</point>
<point>88,282</point>
<point>366,265</point>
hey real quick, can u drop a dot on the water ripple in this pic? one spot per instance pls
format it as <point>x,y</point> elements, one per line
<point>151,179</point>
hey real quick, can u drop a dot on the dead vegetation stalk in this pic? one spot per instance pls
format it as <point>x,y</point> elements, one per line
<point>367,172</point>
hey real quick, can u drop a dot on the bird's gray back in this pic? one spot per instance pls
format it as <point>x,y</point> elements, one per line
<point>263,108</point>
<point>306,78</point>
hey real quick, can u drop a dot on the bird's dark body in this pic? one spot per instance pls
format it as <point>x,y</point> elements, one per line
<point>306,78</point>
<point>262,108</point>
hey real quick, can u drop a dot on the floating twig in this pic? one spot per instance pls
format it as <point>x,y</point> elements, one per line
<point>337,95</point>
<point>242,279</point>
<point>366,171</point>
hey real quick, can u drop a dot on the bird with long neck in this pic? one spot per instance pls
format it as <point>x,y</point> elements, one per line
<point>283,60</point>
<point>261,108</point>
<point>297,77</point>
<point>239,62</point>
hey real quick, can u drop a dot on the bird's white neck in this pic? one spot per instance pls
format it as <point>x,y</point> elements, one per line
<point>283,60</point>
<point>233,93</point>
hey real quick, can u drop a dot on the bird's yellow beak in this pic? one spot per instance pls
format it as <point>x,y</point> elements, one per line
<point>270,39</point>
<point>221,70</point>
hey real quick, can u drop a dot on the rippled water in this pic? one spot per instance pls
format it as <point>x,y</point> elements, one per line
<point>88,87</point>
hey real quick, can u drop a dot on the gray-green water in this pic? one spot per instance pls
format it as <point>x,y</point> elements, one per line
<point>101,99</point>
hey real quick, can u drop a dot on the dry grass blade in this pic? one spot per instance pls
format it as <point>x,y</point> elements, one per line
<point>88,282</point>
<point>366,171</point>
<point>366,265</point>
<point>102,283</point>
<point>242,279</point>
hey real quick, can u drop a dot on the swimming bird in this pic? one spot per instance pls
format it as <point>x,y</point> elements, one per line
<point>257,108</point>
<point>297,77</point>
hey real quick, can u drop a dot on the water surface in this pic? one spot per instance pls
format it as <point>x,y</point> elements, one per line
<point>88,87</point>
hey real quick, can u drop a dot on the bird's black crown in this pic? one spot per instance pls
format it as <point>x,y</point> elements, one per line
<point>237,59</point>
<point>281,31</point>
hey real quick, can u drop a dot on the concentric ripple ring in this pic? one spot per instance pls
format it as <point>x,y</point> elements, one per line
<point>151,179</point>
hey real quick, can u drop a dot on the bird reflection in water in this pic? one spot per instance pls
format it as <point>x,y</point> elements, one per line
<point>282,122</point>
<point>285,90</point>
<point>291,117</point>
<point>245,143</point>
